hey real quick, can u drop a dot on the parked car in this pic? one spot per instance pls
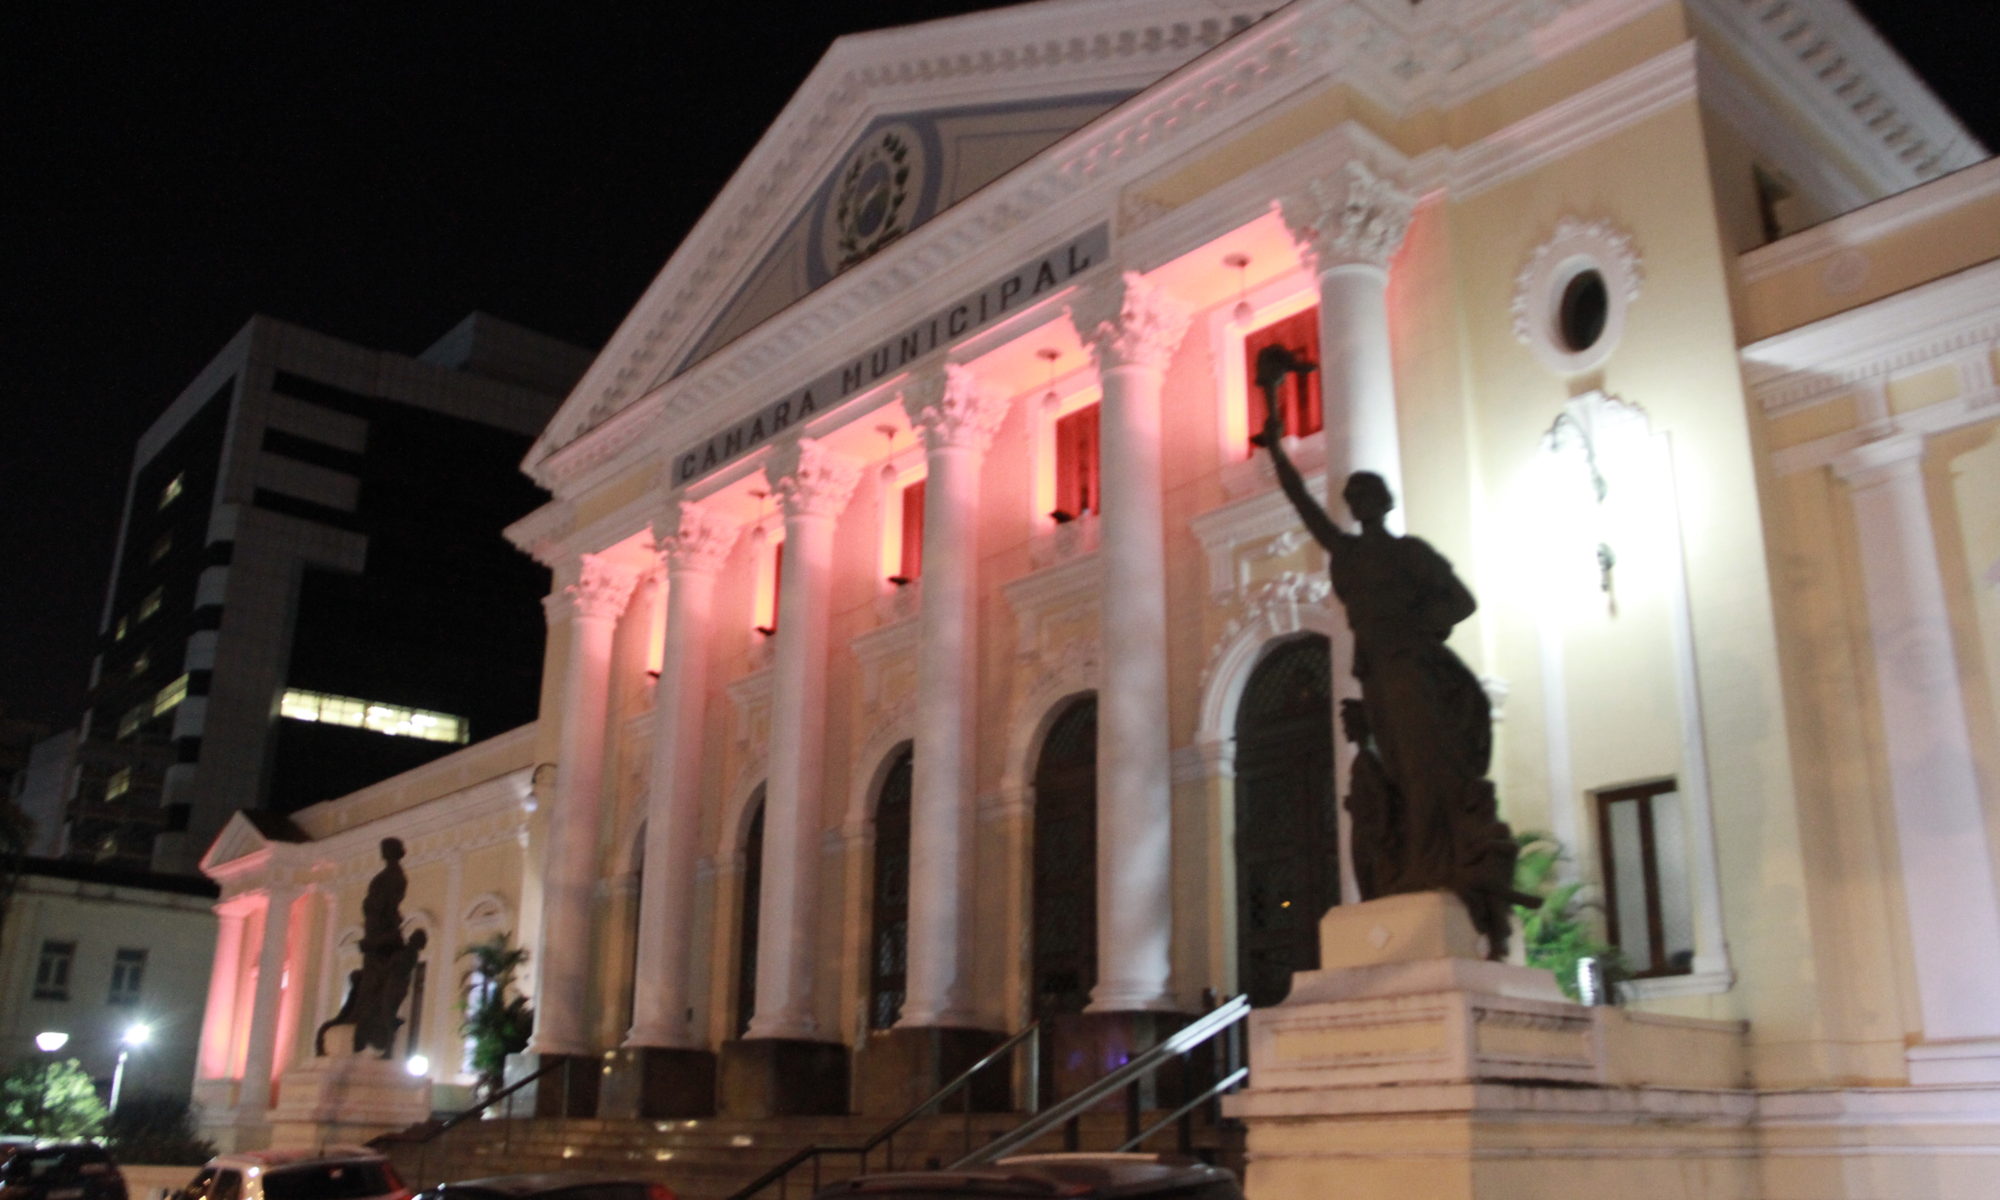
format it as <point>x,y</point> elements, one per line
<point>332,1173</point>
<point>68,1171</point>
<point>1071,1176</point>
<point>553,1185</point>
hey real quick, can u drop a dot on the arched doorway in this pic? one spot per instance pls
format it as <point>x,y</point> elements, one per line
<point>1064,958</point>
<point>746,926</point>
<point>889,941</point>
<point>1287,830</point>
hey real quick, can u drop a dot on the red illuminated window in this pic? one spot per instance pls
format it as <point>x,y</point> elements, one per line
<point>910,560</point>
<point>1298,333</point>
<point>1076,464</point>
<point>767,589</point>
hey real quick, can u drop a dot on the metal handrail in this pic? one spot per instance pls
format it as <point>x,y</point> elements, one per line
<point>438,1129</point>
<point>1032,1034</point>
<point>1187,1038</point>
<point>1220,1087</point>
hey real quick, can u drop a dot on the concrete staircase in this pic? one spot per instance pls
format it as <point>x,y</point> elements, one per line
<point>709,1158</point>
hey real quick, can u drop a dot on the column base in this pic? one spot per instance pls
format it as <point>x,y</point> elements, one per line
<point>569,1090</point>
<point>1970,1061</point>
<point>1087,1046</point>
<point>783,1077</point>
<point>655,1081</point>
<point>897,1069</point>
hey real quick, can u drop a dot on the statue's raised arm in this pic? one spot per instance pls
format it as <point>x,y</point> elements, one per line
<point>1273,364</point>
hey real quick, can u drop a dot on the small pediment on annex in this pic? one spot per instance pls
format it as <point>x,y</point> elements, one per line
<point>891,129</point>
<point>246,835</point>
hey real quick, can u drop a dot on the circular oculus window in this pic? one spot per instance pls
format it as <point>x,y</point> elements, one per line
<point>1571,295</point>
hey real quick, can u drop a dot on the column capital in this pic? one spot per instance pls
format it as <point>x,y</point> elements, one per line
<point>1354,214</point>
<point>811,480</point>
<point>1130,321</point>
<point>1880,460</point>
<point>952,409</point>
<point>692,539</point>
<point>601,589</point>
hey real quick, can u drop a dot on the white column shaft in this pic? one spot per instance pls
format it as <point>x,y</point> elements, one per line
<point>1940,834</point>
<point>1134,776</point>
<point>941,823</point>
<point>788,924</point>
<point>261,1049</point>
<point>661,991</point>
<point>562,1023</point>
<point>1358,393</point>
<point>218,1022</point>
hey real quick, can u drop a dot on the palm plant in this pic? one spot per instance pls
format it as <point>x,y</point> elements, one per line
<point>1559,935</point>
<point>496,1024</point>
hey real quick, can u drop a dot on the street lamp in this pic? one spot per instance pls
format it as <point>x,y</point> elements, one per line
<point>48,1042</point>
<point>136,1034</point>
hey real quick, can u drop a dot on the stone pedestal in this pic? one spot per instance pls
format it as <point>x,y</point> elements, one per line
<point>897,1069</point>
<point>347,1099</point>
<point>569,1090</point>
<point>1409,1066</point>
<point>783,1077</point>
<point>650,1081</point>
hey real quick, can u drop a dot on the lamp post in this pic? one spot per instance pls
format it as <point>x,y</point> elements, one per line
<point>136,1034</point>
<point>48,1042</point>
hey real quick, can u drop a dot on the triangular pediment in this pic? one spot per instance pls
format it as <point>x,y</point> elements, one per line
<point>891,129</point>
<point>246,834</point>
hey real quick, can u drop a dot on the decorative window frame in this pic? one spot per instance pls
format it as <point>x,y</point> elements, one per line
<point>891,479</point>
<point>1074,391</point>
<point>1576,246</point>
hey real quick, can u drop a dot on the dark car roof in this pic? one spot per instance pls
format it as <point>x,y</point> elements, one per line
<point>1052,1175</point>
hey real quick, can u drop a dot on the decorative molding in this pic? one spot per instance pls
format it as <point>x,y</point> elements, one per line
<point>1870,225</point>
<point>1575,247</point>
<point>880,647</point>
<point>1265,517</point>
<point>1294,602</point>
<point>1129,322</point>
<point>600,591</point>
<point>951,409</point>
<point>751,696</point>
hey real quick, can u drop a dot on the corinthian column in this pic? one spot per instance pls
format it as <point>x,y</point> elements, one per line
<point>693,543</point>
<point>592,605</point>
<point>813,485</point>
<point>1132,345</point>
<point>261,1046</point>
<point>1948,886</point>
<point>1348,226</point>
<point>957,419</point>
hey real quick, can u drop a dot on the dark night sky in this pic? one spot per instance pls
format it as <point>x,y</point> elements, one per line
<point>376,171</point>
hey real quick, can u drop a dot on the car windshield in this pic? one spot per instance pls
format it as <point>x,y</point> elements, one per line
<point>328,1181</point>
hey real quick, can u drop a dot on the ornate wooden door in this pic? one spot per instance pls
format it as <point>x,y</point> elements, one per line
<point>1286,828</point>
<point>746,929</point>
<point>889,942</point>
<point>1065,877</point>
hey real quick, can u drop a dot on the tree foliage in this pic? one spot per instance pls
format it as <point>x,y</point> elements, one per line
<point>46,1097</point>
<point>496,1023</point>
<point>1559,934</point>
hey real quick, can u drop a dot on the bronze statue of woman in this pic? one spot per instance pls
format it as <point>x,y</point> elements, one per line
<point>1424,814</point>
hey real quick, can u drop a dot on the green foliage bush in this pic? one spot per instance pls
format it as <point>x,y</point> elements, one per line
<point>50,1098</point>
<point>1559,934</point>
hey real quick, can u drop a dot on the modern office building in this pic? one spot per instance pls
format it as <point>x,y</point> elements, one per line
<point>309,592</point>
<point>930,653</point>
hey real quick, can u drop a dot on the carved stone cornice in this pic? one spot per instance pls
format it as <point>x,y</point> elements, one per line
<point>1354,215</point>
<point>811,480</point>
<point>692,539</point>
<point>601,589</point>
<point>953,409</point>
<point>1130,322</point>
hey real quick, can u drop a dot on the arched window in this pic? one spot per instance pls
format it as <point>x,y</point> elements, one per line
<point>889,943</point>
<point>1064,961</point>
<point>1287,831</point>
<point>746,929</point>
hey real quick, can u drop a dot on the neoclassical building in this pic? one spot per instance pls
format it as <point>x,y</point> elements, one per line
<point>930,653</point>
